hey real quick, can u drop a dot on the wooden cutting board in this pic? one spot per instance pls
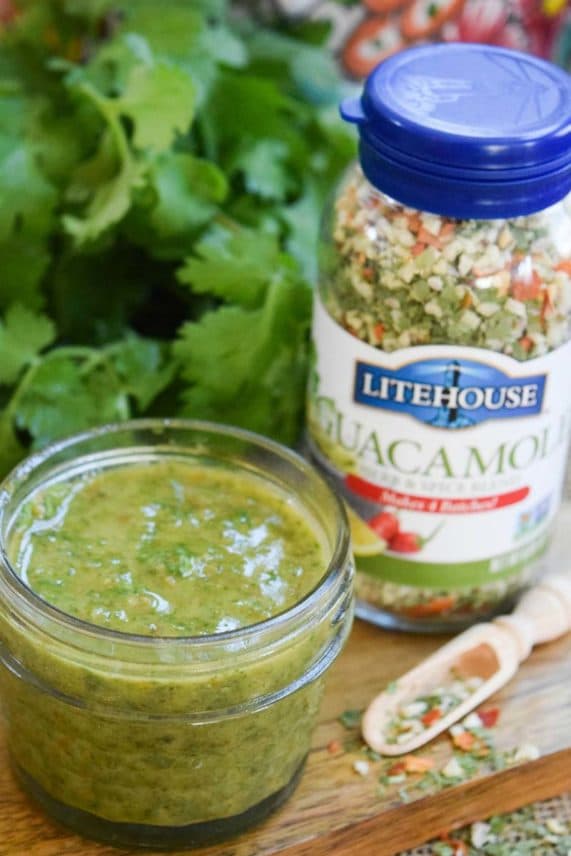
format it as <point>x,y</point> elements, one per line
<point>336,812</point>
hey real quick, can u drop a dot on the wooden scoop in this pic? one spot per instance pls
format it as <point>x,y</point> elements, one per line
<point>491,652</point>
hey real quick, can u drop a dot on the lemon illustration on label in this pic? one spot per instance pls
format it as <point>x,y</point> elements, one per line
<point>365,541</point>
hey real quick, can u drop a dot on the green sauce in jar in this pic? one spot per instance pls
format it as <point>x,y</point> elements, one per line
<point>166,549</point>
<point>170,598</point>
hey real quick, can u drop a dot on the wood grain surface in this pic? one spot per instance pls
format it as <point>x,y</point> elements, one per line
<point>335,811</point>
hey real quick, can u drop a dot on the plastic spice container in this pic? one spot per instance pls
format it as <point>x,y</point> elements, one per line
<point>170,741</point>
<point>440,394</point>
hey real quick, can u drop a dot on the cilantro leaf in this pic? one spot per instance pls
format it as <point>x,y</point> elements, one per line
<point>62,399</point>
<point>188,190</point>
<point>73,388</point>
<point>110,68</point>
<point>23,334</point>
<point>106,181</point>
<point>265,113</point>
<point>174,32</point>
<point>88,8</point>
<point>11,450</point>
<point>302,219</point>
<point>309,67</point>
<point>160,100</point>
<point>234,266</point>
<point>247,366</point>
<point>24,262</point>
<point>28,199</point>
<point>265,169</point>
<point>185,36</point>
<point>161,172</point>
<point>57,144</point>
<point>142,370</point>
<point>225,46</point>
<point>226,328</point>
<point>109,200</point>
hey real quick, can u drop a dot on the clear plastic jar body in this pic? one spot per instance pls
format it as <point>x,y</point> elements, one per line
<point>174,741</point>
<point>439,399</point>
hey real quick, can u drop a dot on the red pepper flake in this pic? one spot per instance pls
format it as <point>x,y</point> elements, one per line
<point>417,764</point>
<point>547,306</point>
<point>489,717</point>
<point>436,606</point>
<point>368,272</point>
<point>431,716</point>
<point>427,237</point>
<point>334,746</point>
<point>464,741</point>
<point>447,230</point>
<point>379,332</point>
<point>528,288</point>
<point>460,848</point>
<point>526,343</point>
<point>411,764</point>
<point>414,222</point>
<point>467,300</point>
<point>481,752</point>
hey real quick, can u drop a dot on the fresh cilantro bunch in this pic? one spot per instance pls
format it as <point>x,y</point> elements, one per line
<point>162,170</point>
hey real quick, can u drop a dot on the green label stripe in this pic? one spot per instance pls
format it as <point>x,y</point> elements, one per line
<point>454,574</point>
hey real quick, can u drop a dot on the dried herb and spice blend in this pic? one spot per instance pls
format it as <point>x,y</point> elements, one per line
<point>474,752</point>
<point>418,714</point>
<point>439,396</point>
<point>423,279</point>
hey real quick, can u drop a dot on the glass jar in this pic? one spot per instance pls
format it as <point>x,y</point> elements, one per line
<point>172,741</point>
<point>439,397</point>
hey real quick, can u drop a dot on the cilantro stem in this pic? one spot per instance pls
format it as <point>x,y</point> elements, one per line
<point>95,358</point>
<point>224,220</point>
<point>109,112</point>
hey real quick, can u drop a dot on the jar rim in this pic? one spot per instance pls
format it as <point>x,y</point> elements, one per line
<point>89,631</point>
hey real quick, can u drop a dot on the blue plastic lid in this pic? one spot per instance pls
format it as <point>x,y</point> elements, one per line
<point>466,130</point>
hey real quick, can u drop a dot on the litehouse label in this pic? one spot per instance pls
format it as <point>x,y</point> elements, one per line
<point>448,393</point>
<point>466,446</point>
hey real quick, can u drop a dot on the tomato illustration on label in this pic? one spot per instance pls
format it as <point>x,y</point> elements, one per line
<point>383,6</point>
<point>372,41</point>
<point>424,17</point>
<point>411,542</point>
<point>385,524</point>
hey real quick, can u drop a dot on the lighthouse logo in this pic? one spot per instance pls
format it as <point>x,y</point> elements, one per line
<point>450,394</point>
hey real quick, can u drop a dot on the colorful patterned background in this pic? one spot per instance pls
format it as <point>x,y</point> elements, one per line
<point>363,32</point>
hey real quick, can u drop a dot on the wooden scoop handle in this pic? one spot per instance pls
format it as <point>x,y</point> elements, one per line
<point>543,614</point>
<point>491,651</point>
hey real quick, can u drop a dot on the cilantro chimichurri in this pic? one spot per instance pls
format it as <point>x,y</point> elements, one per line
<point>166,549</point>
<point>157,738</point>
